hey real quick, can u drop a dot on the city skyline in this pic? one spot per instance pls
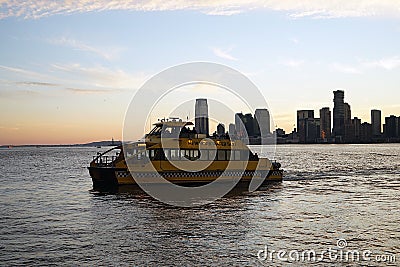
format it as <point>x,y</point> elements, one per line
<point>346,128</point>
<point>69,69</point>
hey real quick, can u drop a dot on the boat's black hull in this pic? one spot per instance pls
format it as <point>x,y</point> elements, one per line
<point>105,178</point>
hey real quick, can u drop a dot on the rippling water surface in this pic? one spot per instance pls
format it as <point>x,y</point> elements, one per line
<point>48,215</point>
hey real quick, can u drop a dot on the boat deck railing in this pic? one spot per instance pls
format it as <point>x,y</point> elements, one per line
<point>104,161</point>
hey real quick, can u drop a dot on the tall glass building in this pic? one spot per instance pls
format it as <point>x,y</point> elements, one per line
<point>201,116</point>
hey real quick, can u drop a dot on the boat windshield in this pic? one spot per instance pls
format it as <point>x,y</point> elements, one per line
<point>170,130</point>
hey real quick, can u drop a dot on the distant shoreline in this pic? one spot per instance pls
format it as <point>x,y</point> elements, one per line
<point>91,144</point>
<point>117,143</point>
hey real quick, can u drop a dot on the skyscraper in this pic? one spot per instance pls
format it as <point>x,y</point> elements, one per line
<point>201,116</point>
<point>357,128</point>
<point>348,125</point>
<point>232,130</point>
<point>392,127</point>
<point>239,125</point>
<point>338,114</point>
<point>325,120</point>
<point>365,132</point>
<point>244,125</point>
<point>303,119</point>
<point>262,122</point>
<point>249,124</point>
<point>220,129</point>
<point>376,122</point>
<point>347,113</point>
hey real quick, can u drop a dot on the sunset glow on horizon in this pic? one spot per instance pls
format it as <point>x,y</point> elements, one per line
<point>67,74</point>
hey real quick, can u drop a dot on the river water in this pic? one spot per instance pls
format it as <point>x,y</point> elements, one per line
<point>330,193</point>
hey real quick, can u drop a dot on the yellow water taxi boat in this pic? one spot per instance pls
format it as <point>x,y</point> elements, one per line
<point>181,156</point>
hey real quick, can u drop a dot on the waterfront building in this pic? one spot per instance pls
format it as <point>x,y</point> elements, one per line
<point>262,123</point>
<point>376,122</point>
<point>239,126</point>
<point>365,132</point>
<point>357,128</point>
<point>232,130</point>
<point>201,116</point>
<point>392,127</point>
<point>348,125</point>
<point>244,124</point>
<point>313,130</point>
<point>220,129</point>
<point>308,126</point>
<point>325,121</point>
<point>338,115</point>
<point>347,113</point>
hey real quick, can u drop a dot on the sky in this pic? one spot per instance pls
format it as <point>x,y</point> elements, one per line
<point>68,69</point>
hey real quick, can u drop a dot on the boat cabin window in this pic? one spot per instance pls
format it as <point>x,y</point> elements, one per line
<point>140,155</point>
<point>194,154</point>
<point>237,155</point>
<point>211,155</point>
<point>166,130</point>
<point>174,154</point>
<point>221,154</point>
<point>156,130</point>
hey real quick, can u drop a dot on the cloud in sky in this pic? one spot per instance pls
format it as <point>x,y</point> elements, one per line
<point>388,63</point>
<point>385,63</point>
<point>103,77</point>
<point>345,68</point>
<point>108,53</point>
<point>223,53</point>
<point>73,77</point>
<point>89,91</point>
<point>23,72</point>
<point>292,63</point>
<point>37,84</point>
<point>294,8</point>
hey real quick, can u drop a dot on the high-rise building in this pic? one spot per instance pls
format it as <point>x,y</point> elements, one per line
<point>249,124</point>
<point>232,130</point>
<point>220,129</point>
<point>244,125</point>
<point>305,119</point>
<point>357,128</point>
<point>338,114</point>
<point>391,128</point>
<point>304,114</point>
<point>262,122</point>
<point>239,125</point>
<point>325,121</point>
<point>365,132</point>
<point>348,124</point>
<point>201,116</point>
<point>313,130</point>
<point>349,132</point>
<point>347,113</point>
<point>376,122</point>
